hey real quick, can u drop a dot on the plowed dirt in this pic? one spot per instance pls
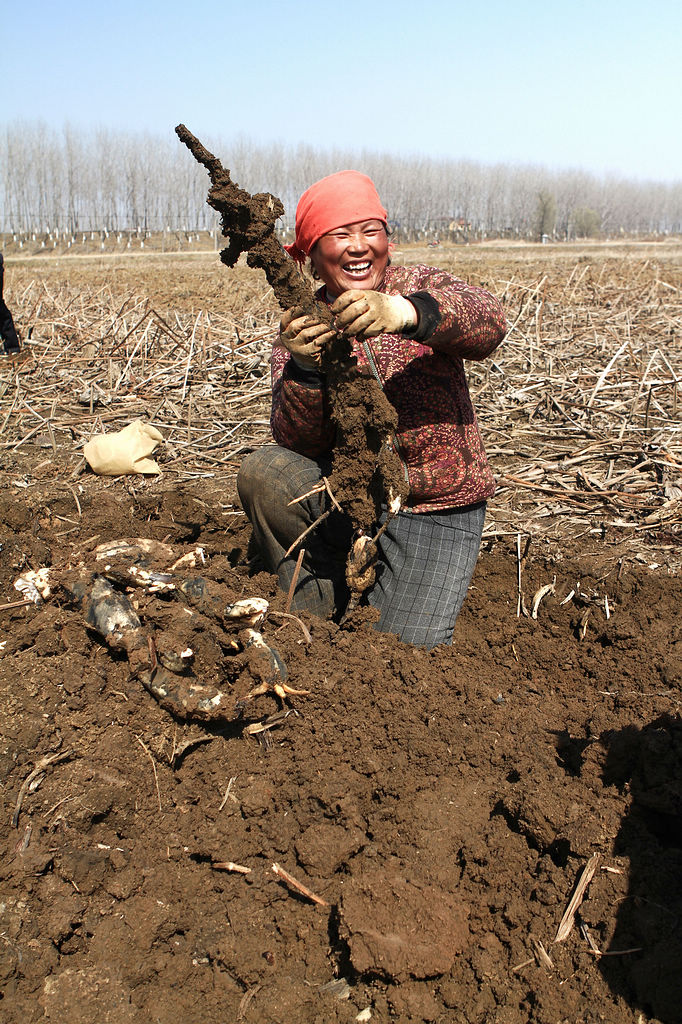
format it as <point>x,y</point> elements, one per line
<point>441,805</point>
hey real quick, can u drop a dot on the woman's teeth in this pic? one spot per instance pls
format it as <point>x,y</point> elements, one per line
<point>357,268</point>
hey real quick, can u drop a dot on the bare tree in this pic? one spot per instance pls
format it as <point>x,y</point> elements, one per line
<point>123,181</point>
<point>545,214</point>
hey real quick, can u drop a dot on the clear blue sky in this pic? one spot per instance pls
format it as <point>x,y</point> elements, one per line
<point>592,85</point>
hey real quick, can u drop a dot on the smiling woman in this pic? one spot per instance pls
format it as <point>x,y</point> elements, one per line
<point>410,328</point>
<point>351,260</point>
<point>352,256</point>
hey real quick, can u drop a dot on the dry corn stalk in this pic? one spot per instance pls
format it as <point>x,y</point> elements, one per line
<point>567,921</point>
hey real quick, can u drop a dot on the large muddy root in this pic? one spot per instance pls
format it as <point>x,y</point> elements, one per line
<point>366,470</point>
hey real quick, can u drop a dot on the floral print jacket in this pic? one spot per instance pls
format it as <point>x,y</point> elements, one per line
<point>423,377</point>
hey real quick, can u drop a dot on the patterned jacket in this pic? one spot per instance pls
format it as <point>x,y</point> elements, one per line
<point>423,377</point>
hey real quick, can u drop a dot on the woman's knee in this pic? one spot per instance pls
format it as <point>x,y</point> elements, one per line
<point>257,471</point>
<point>273,470</point>
<point>248,475</point>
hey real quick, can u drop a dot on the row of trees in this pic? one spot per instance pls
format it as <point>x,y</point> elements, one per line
<point>72,180</point>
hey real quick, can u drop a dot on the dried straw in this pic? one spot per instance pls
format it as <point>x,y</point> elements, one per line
<point>578,408</point>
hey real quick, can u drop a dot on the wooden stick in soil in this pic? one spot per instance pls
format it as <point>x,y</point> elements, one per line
<point>229,865</point>
<point>42,764</point>
<point>293,883</point>
<point>294,580</point>
<point>16,604</point>
<point>519,600</point>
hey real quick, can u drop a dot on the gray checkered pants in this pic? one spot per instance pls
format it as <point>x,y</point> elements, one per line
<point>425,562</point>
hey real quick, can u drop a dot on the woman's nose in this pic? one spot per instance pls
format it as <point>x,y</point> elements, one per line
<point>357,242</point>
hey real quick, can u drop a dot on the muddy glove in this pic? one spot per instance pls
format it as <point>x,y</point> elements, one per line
<point>304,337</point>
<point>368,313</point>
<point>125,451</point>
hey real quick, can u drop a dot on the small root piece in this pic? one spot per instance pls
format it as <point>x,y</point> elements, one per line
<point>156,777</point>
<point>288,615</point>
<point>229,865</point>
<point>294,580</point>
<point>282,691</point>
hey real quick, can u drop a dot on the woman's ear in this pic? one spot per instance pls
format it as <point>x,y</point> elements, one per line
<point>313,269</point>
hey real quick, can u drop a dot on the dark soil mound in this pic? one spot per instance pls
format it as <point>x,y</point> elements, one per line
<point>440,805</point>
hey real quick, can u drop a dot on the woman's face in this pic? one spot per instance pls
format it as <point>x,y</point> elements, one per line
<point>352,256</point>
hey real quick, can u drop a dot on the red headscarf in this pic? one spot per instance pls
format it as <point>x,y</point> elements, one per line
<point>342,198</point>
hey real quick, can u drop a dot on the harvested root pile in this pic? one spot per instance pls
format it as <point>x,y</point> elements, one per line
<point>366,470</point>
<point>197,642</point>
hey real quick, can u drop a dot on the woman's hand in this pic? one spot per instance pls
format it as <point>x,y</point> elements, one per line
<point>368,313</point>
<point>304,337</point>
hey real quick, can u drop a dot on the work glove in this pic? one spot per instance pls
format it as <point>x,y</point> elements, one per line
<point>304,337</point>
<point>367,313</point>
<point>125,451</point>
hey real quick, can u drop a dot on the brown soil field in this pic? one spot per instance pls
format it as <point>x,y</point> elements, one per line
<point>488,833</point>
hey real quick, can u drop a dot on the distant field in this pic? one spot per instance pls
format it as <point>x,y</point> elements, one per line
<point>126,243</point>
